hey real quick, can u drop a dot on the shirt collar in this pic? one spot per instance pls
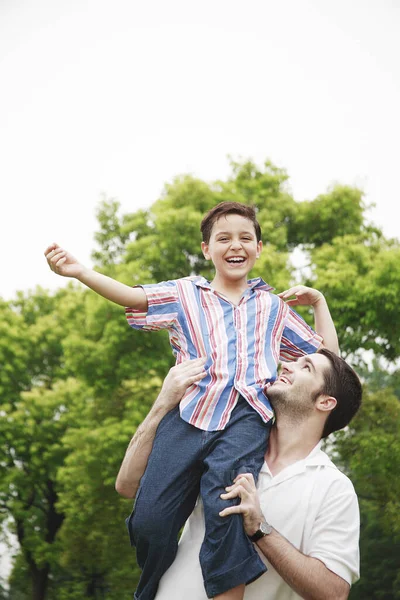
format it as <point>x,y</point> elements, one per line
<point>252,284</point>
<point>316,458</point>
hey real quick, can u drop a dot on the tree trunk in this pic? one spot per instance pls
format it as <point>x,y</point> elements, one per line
<point>40,579</point>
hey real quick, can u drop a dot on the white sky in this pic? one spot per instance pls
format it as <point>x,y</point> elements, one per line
<point>119,96</point>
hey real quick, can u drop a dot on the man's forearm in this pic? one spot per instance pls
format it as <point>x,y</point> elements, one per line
<point>307,576</point>
<point>137,454</point>
<point>325,326</point>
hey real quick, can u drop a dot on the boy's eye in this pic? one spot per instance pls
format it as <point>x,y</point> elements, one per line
<point>223,239</point>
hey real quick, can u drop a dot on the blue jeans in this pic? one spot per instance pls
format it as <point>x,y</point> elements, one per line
<point>184,462</point>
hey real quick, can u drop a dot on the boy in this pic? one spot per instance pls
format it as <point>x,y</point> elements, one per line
<point>222,425</point>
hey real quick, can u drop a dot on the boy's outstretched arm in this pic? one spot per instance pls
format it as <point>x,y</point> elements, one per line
<point>137,454</point>
<point>63,263</point>
<point>324,324</point>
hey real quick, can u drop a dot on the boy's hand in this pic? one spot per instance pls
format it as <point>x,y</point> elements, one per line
<point>62,262</point>
<point>305,296</point>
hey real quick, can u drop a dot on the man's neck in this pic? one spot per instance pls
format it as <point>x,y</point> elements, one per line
<point>288,443</point>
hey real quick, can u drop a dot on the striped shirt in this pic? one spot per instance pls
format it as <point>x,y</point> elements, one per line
<point>243,344</point>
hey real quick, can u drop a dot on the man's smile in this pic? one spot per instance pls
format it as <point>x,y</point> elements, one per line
<point>284,379</point>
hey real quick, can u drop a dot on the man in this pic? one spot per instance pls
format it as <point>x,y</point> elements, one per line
<point>304,517</point>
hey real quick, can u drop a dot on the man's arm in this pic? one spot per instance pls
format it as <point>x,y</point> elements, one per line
<point>137,454</point>
<point>63,263</point>
<point>306,575</point>
<point>324,324</point>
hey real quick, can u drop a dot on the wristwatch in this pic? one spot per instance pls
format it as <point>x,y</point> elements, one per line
<point>263,530</point>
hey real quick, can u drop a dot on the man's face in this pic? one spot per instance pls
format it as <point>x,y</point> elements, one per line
<point>233,246</point>
<point>298,384</point>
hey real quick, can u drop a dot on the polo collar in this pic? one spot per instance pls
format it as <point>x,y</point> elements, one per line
<point>316,458</point>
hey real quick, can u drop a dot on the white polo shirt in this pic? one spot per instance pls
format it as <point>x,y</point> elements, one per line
<point>311,503</point>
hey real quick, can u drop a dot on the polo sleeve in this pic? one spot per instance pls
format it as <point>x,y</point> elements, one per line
<point>298,338</point>
<point>335,534</point>
<point>163,308</point>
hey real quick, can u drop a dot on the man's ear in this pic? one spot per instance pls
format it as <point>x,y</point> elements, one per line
<point>204,249</point>
<point>326,403</point>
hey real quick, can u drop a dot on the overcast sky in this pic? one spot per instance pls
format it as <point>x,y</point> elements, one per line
<point>119,96</point>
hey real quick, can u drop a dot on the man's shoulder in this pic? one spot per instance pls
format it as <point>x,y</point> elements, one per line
<point>328,471</point>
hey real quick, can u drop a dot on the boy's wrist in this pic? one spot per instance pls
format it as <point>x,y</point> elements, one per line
<point>319,300</point>
<point>83,273</point>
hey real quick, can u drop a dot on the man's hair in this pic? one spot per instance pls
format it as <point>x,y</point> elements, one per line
<point>228,208</point>
<point>343,383</point>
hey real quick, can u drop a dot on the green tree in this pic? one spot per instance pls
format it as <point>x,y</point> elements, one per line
<point>76,381</point>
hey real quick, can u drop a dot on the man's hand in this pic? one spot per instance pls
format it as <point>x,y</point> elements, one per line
<point>179,378</point>
<point>175,384</point>
<point>244,487</point>
<point>62,262</point>
<point>305,296</point>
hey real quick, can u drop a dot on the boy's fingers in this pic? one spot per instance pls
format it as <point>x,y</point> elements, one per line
<point>56,257</point>
<point>50,248</point>
<point>291,291</point>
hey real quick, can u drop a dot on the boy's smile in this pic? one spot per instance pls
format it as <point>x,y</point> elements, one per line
<point>233,248</point>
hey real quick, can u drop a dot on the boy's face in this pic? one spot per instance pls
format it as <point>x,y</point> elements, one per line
<point>233,247</point>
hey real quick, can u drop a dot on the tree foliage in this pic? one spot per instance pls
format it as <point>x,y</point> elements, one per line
<point>76,381</point>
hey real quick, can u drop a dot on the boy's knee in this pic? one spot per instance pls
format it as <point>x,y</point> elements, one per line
<point>146,522</point>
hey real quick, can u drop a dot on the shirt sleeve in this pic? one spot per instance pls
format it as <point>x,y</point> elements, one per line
<point>298,338</point>
<point>162,311</point>
<point>335,534</point>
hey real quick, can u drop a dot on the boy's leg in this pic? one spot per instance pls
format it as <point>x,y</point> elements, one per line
<point>227,556</point>
<point>166,497</point>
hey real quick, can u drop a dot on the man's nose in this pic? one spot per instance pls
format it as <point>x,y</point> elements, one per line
<point>287,366</point>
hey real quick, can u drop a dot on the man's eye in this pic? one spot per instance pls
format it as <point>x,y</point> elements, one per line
<point>307,366</point>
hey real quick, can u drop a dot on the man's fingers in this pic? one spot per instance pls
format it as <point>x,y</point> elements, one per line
<point>246,477</point>
<point>231,510</point>
<point>190,364</point>
<point>195,378</point>
<point>239,490</point>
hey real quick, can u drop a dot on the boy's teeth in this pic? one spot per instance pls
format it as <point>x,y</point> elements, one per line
<point>237,260</point>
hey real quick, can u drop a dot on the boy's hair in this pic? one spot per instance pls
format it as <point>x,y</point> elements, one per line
<point>343,383</point>
<point>228,208</point>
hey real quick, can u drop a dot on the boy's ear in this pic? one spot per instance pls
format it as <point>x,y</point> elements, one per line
<point>259,248</point>
<point>204,249</point>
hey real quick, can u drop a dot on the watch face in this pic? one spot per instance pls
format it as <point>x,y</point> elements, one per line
<point>265,528</point>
